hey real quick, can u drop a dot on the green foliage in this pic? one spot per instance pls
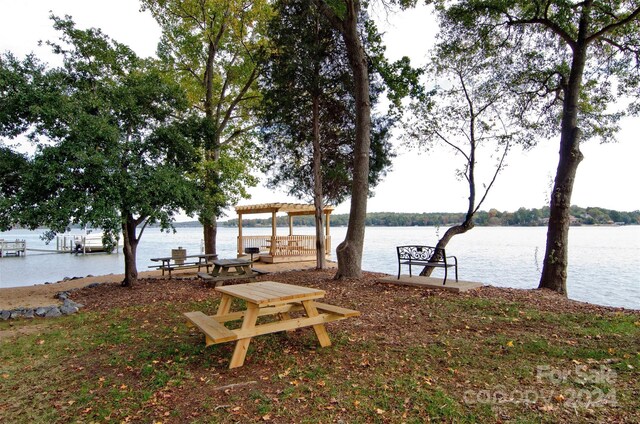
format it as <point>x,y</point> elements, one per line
<point>211,47</point>
<point>542,37</point>
<point>12,168</point>
<point>307,63</point>
<point>112,151</point>
<point>521,217</point>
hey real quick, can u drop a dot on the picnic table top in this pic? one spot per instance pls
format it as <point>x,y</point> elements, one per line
<point>231,262</point>
<point>201,255</point>
<point>265,293</point>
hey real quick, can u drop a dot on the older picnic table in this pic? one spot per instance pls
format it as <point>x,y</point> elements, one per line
<point>169,263</point>
<point>222,271</point>
<point>267,298</point>
<point>222,267</point>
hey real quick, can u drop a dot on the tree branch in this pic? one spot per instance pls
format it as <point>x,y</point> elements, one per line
<point>549,24</point>
<point>614,25</point>
<point>331,16</point>
<point>455,147</point>
<point>493,180</point>
<point>239,97</point>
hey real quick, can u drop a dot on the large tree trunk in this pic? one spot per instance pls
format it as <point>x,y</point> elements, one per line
<point>129,250</point>
<point>321,259</point>
<point>349,252</point>
<point>209,217</point>
<point>556,259</point>
<point>210,231</point>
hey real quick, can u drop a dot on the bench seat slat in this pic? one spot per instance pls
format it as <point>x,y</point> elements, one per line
<point>337,310</point>
<point>427,263</point>
<point>215,332</point>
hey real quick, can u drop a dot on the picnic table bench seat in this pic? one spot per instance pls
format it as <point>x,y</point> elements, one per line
<point>418,255</point>
<point>336,310</point>
<point>214,331</point>
<point>174,267</point>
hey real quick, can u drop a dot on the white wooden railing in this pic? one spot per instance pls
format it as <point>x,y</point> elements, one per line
<point>302,245</point>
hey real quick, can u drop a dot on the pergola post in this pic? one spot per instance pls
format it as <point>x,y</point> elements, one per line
<point>290,225</point>
<point>240,252</point>
<point>327,238</point>
<point>272,250</point>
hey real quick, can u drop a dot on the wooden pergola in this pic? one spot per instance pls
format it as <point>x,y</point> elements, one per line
<point>276,248</point>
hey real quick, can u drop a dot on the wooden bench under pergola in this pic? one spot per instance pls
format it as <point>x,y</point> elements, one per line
<point>275,248</point>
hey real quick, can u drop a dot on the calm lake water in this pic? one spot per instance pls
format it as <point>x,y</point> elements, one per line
<point>604,263</point>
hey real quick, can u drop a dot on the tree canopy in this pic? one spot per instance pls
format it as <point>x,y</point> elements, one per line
<point>113,150</point>
<point>571,62</point>
<point>212,49</point>
<point>308,61</point>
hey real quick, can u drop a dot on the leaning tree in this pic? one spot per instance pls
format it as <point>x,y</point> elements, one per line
<point>575,62</point>
<point>471,112</point>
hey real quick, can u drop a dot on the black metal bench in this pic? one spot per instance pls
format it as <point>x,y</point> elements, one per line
<point>421,256</point>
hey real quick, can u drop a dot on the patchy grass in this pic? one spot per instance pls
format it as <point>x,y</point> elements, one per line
<point>413,356</point>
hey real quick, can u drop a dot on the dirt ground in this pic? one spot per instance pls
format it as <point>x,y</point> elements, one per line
<point>152,290</point>
<point>404,336</point>
<point>43,294</point>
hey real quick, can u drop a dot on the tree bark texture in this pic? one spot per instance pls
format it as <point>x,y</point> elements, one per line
<point>556,259</point>
<point>444,240</point>
<point>349,252</point>
<point>129,249</point>
<point>210,221</point>
<point>321,259</point>
<point>210,231</point>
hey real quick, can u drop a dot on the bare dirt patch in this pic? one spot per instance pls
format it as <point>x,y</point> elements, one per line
<point>14,332</point>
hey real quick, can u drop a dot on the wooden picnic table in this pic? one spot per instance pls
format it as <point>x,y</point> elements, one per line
<point>228,269</point>
<point>168,263</point>
<point>222,267</point>
<point>267,298</point>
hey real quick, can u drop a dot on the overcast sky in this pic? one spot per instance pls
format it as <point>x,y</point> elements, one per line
<point>608,176</point>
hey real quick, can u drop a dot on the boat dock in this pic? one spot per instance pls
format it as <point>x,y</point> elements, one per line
<point>13,248</point>
<point>80,244</point>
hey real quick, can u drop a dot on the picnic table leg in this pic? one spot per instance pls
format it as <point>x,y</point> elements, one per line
<point>225,305</point>
<point>321,331</point>
<point>285,316</point>
<point>216,270</point>
<point>244,270</point>
<point>249,322</point>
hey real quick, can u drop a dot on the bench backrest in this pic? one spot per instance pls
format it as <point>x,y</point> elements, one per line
<point>419,253</point>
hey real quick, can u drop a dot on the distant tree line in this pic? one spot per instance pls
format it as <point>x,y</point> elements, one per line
<point>523,217</point>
